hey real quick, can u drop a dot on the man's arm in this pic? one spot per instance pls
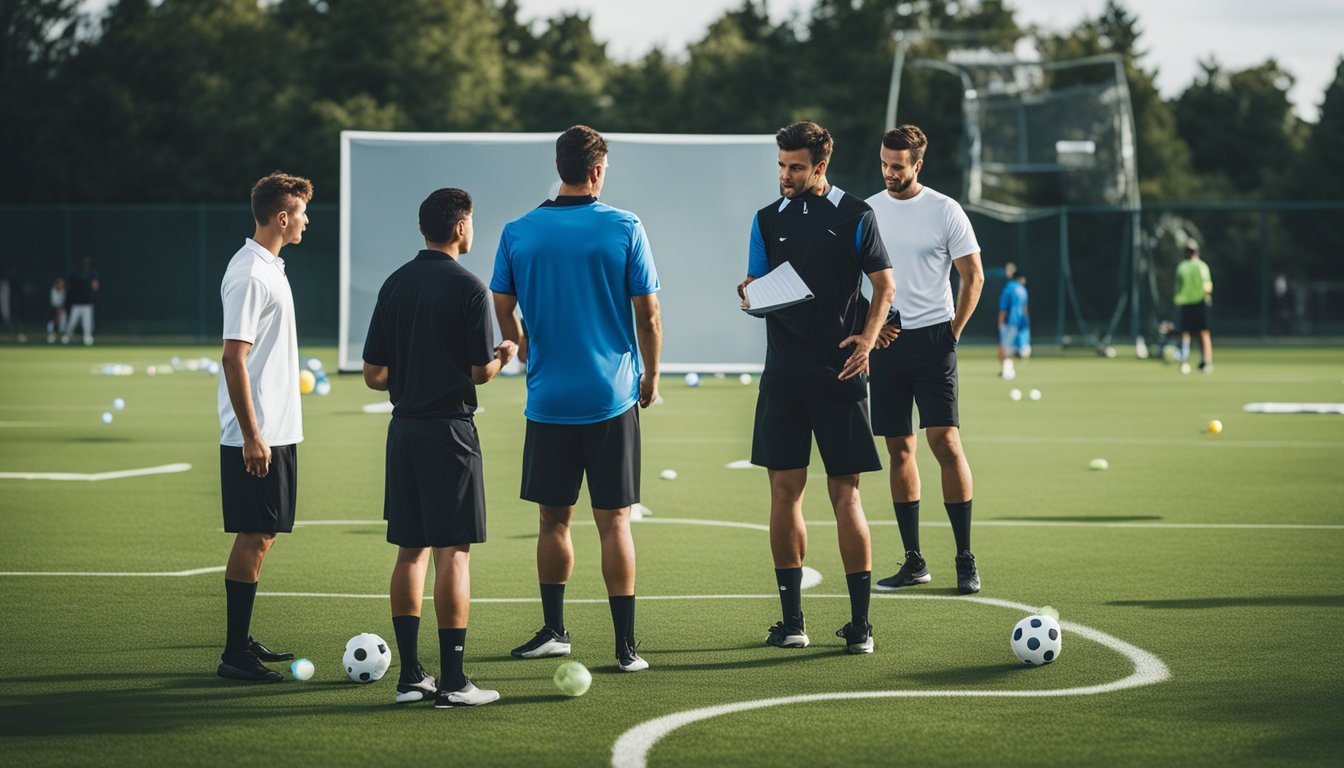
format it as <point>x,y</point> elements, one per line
<point>509,327</point>
<point>256,453</point>
<point>884,291</point>
<point>482,374</point>
<point>375,377</point>
<point>649,328</point>
<point>972,283</point>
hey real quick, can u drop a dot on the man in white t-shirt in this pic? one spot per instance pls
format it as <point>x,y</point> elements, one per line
<point>926,234</point>
<point>260,418</point>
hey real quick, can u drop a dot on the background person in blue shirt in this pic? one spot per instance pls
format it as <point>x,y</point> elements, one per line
<point>1014,324</point>
<point>583,275</point>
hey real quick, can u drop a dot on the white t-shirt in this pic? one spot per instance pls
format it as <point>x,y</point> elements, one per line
<point>923,236</point>
<point>259,309</point>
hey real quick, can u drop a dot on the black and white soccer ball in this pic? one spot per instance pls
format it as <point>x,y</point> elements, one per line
<point>1036,640</point>
<point>367,658</point>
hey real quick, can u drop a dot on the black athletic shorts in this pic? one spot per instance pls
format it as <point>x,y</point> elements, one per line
<point>782,438</point>
<point>1194,318</point>
<point>922,369</point>
<point>434,491</point>
<point>557,456</point>
<point>259,504</point>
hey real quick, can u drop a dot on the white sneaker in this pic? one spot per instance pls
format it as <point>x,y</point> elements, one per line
<point>423,689</point>
<point>543,644</point>
<point>629,660</point>
<point>469,696</point>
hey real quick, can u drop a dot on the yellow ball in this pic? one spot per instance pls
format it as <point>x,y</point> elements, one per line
<point>1215,427</point>
<point>306,382</point>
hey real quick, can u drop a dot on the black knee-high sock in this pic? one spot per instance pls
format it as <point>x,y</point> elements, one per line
<point>959,514</point>
<point>791,595</point>
<point>239,596</point>
<point>623,619</point>
<point>907,519</point>
<point>407,629</point>
<point>451,644</point>
<point>553,606</point>
<point>859,585</point>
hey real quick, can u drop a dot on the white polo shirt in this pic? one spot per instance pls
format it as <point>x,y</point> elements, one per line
<point>259,309</point>
<point>923,236</point>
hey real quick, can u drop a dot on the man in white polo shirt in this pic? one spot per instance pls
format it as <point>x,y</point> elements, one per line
<point>260,418</point>
<point>926,234</point>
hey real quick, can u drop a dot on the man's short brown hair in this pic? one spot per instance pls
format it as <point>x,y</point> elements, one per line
<point>907,137</point>
<point>275,193</point>
<point>440,213</point>
<point>806,135</point>
<point>578,151</point>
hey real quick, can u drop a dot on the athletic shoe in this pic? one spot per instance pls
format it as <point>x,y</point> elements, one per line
<point>547,642</point>
<point>913,571</point>
<point>468,696</point>
<point>266,654</point>
<point>420,690</point>
<point>1206,367</point>
<point>968,577</point>
<point>858,638</point>
<point>244,665</point>
<point>782,636</point>
<point>628,658</point>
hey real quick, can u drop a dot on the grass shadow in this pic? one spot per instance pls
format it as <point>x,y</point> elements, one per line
<point>794,656</point>
<point>967,676</point>
<point>1268,601</point>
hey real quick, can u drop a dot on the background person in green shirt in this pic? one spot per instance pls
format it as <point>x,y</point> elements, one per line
<point>1194,293</point>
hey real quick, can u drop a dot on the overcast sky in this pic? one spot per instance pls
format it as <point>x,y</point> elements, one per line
<point>1306,37</point>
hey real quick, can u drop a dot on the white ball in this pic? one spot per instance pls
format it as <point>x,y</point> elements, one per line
<point>668,474</point>
<point>692,379</point>
<point>1015,393</point>
<point>151,370</point>
<point>367,658</point>
<point>1099,464</point>
<point>1034,394</point>
<point>119,404</point>
<point>301,669</point>
<point>323,387</point>
<point>1036,640</point>
<point>573,679</point>
<point>745,379</point>
<point>314,364</point>
<point>107,417</point>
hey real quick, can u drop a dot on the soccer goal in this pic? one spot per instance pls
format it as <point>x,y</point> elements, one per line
<point>695,194</point>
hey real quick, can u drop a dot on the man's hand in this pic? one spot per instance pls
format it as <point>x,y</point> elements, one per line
<point>505,352</point>
<point>256,457</point>
<point>858,359</point>
<point>648,389</point>
<point>885,335</point>
<point>742,291</point>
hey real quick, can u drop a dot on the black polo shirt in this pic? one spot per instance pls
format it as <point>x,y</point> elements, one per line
<point>430,326</point>
<point>832,242</point>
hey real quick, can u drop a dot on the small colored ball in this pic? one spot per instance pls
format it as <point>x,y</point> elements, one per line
<point>573,679</point>
<point>692,379</point>
<point>107,417</point>
<point>1215,427</point>
<point>301,669</point>
<point>307,381</point>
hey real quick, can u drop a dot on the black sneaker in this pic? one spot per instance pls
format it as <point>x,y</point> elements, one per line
<point>783,636</point>
<point>266,654</point>
<point>912,572</point>
<point>468,696</point>
<point>420,690</point>
<point>628,658</point>
<point>547,642</point>
<point>968,576</point>
<point>858,637</point>
<point>244,665</point>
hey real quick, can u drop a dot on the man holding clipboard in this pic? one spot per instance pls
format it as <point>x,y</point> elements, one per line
<point>816,364</point>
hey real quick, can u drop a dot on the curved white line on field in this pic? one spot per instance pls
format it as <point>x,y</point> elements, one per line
<point>192,572</point>
<point>631,750</point>
<point>165,469</point>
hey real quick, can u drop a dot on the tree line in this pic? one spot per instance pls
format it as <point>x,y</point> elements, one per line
<point>191,100</point>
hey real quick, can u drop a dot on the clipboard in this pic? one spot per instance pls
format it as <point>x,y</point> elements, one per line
<point>781,288</point>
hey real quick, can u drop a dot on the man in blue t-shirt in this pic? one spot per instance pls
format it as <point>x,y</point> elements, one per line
<point>1014,324</point>
<point>582,274</point>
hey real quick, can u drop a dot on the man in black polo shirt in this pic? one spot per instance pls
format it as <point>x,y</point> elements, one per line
<point>430,343</point>
<point>816,363</point>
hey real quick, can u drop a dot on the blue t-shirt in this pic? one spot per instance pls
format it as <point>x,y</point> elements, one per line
<point>574,264</point>
<point>1013,300</point>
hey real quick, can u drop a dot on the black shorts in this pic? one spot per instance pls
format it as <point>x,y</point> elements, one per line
<point>1194,318</point>
<point>557,456</point>
<point>922,369</point>
<point>434,491</point>
<point>782,438</point>
<point>259,504</point>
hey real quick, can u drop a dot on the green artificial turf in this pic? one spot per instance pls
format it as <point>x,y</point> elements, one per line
<point>1167,550</point>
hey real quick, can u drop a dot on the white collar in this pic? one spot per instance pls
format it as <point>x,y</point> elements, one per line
<point>264,253</point>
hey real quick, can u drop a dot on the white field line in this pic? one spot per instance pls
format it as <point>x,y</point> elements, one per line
<point>631,750</point>
<point>165,469</point>
<point>930,524</point>
<point>100,574</point>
